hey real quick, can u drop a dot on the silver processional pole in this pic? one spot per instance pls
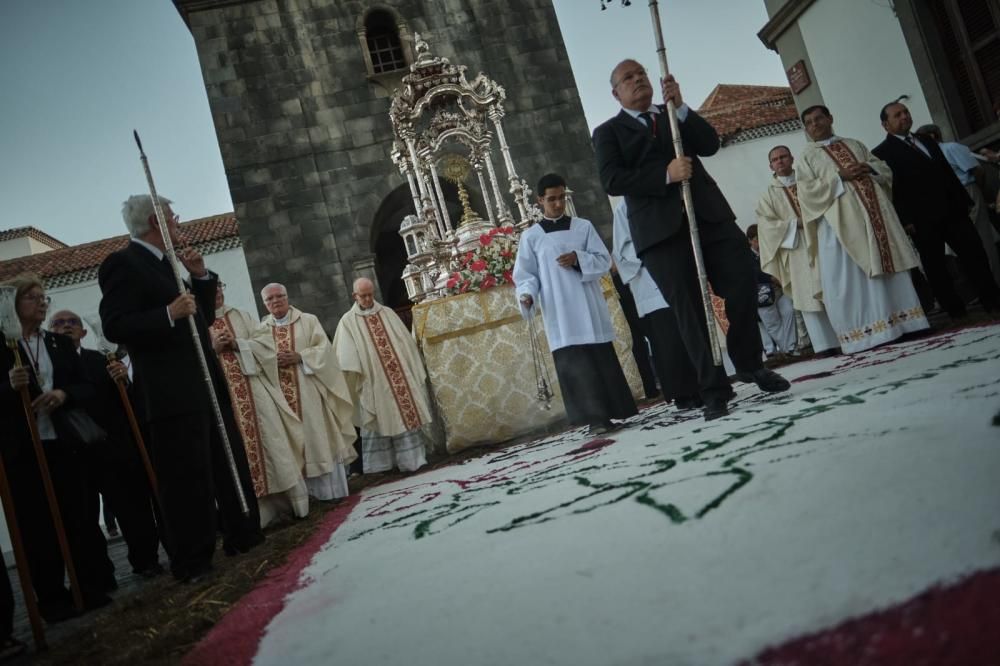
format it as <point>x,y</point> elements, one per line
<point>168,245</point>
<point>699,260</point>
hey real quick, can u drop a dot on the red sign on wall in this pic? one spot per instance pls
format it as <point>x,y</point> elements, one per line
<point>798,77</point>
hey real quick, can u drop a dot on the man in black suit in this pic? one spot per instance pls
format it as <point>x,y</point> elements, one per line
<point>114,466</point>
<point>142,309</point>
<point>636,159</point>
<point>934,208</point>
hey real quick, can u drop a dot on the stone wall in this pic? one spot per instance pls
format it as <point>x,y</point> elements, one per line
<point>305,133</point>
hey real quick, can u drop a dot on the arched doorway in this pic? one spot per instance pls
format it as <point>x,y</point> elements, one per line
<point>387,244</point>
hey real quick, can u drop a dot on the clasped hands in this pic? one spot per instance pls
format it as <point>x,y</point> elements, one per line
<point>855,171</point>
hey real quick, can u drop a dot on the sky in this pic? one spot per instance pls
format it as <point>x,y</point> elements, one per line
<point>78,77</point>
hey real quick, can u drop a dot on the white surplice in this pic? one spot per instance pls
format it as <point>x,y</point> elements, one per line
<point>572,302</point>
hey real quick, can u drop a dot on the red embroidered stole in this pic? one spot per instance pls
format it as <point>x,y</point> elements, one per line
<point>288,377</point>
<point>244,409</point>
<point>864,187</point>
<point>393,370</point>
<point>792,194</point>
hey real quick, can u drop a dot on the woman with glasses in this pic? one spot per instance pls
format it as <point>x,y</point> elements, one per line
<point>53,375</point>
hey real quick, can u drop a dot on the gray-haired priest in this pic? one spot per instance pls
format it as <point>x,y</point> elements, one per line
<point>314,387</point>
<point>388,381</point>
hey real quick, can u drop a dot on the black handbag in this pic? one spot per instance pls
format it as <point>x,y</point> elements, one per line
<point>765,295</point>
<point>84,427</point>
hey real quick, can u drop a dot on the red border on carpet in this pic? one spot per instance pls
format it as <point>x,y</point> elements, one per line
<point>234,640</point>
<point>948,625</point>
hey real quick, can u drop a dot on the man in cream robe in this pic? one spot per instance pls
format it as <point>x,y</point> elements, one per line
<point>787,249</point>
<point>314,388</point>
<point>863,252</point>
<point>272,432</point>
<point>387,380</point>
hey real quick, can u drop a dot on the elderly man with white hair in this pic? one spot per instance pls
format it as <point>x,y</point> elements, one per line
<point>315,389</point>
<point>142,309</point>
<point>388,381</point>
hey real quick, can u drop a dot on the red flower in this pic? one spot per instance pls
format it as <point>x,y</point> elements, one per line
<point>478,266</point>
<point>506,253</point>
<point>453,280</point>
<point>466,259</point>
<point>508,277</point>
<point>494,231</point>
<point>485,239</point>
<point>488,282</point>
<point>465,287</point>
<point>507,230</point>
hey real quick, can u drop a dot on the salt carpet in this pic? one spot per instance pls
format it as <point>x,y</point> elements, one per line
<point>674,541</point>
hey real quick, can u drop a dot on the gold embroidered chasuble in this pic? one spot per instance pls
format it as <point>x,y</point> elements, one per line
<point>797,268</point>
<point>271,431</point>
<point>316,391</point>
<point>860,211</point>
<point>384,369</point>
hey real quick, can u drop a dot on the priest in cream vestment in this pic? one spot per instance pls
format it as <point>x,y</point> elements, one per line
<point>785,243</point>
<point>863,252</point>
<point>387,380</point>
<point>272,432</point>
<point>315,389</point>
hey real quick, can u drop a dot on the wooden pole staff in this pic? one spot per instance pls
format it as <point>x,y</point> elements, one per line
<point>136,433</point>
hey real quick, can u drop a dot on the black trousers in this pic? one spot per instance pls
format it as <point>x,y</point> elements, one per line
<point>116,473</point>
<point>963,238</point>
<point>6,603</point>
<point>733,276</point>
<point>678,378</point>
<point>593,385</point>
<point>194,478</point>
<point>639,350</point>
<point>86,543</point>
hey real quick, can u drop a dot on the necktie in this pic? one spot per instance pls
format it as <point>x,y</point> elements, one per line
<point>647,118</point>
<point>913,144</point>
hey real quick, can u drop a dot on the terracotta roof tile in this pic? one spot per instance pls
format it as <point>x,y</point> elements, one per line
<point>90,255</point>
<point>733,109</point>
<point>37,234</point>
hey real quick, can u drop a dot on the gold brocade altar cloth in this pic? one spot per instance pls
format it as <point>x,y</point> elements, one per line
<point>478,357</point>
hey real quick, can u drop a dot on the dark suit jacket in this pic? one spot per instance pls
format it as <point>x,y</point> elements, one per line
<point>632,163</point>
<point>924,191</point>
<point>68,375</point>
<point>137,288</point>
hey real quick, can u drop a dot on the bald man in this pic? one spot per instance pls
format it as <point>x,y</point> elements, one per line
<point>114,467</point>
<point>388,382</point>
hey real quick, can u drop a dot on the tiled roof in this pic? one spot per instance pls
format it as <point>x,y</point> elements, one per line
<point>32,232</point>
<point>79,263</point>
<point>748,112</point>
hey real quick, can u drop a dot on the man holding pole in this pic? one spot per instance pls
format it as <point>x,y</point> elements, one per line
<point>141,308</point>
<point>636,159</point>
<point>114,466</point>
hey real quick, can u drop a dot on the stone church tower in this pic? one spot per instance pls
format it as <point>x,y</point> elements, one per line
<point>300,93</point>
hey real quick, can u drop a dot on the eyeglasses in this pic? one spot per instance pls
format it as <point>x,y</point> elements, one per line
<point>37,298</point>
<point>69,321</point>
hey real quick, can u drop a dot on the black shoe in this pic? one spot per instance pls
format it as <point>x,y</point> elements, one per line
<point>688,402</point>
<point>767,380</point>
<point>194,575</point>
<point>242,544</point>
<point>601,428</point>
<point>151,571</point>
<point>57,612</point>
<point>715,409</point>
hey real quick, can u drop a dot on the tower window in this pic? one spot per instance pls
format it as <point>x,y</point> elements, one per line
<point>384,45</point>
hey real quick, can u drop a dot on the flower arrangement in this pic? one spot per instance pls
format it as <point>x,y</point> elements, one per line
<point>490,264</point>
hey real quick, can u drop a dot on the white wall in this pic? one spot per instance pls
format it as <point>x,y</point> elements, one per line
<point>861,62</point>
<point>743,174</point>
